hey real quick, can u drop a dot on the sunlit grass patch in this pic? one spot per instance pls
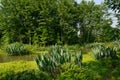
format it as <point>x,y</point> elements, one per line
<point>2,52</point>
<point>6,58</point>
<point>17,66</point>
<point>88,57</point>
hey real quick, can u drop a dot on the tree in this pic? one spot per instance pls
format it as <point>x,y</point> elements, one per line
<point>47,22</point>
<point>15,19</point>
<point>66,29</point>
<point>113,4</point>
<point>37,22</point>
<point>91,20</point>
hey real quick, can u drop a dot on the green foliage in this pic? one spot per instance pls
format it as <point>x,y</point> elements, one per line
<point>62,66</point>
<point>79,74</point>
<point>93,45</point>
<point>116,71</point>
<point>40,23</point>
<point>113,4</point>
<point>26,75</point>
<point>37,22</point>
<point>116,45</point>
<point>114,34</point>
<point>98,66</point>
<point>92,21</point>
<point>102,52</point>
<point>58,56</point>
<point>12,68</point>
<point>16,49</point>
<point>78,59</point>
<point>61,55</point>
<point>118,25</point>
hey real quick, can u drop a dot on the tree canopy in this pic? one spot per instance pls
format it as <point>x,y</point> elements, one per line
<point>114,4</point>
<point>47,22</point>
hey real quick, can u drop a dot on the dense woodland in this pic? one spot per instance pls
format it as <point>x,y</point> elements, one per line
<point>47,22</point>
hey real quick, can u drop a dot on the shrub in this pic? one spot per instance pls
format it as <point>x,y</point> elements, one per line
<point>102,52</point>
<point>78,59</point>
<point>58,56</point>
<point>26,75</point>
<point>116,45</point>
<point>116,74</point>
<point>21,70</point>
<point>16,49</point>
<point>79,74</point>
<point>92,45</point>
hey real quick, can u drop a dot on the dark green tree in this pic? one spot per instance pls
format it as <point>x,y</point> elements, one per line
<point>47,22</point>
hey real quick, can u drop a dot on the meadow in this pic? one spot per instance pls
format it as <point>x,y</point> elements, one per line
<point>79,64</point>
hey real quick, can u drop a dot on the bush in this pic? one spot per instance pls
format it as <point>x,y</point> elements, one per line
<point>58,56</point>
<point>116,74</point>
<point>102,52</point>
<point>50,62</point>
<point>21,70</point>
<point>16,49</point>
<point>26,75</point>
<point>116,45</point>
<point>79,74</point>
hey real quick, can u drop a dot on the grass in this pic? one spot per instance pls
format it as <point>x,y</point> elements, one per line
<point>40,50</point>
<point>88,57</point>
<point>26,62</point>
<point>34,49</point>
<point>17,66</point>
<point>20,61</point>
<point>2,52</point>
<point>22,64</point>
<point>30,58</point>
<point>7,69</point>
<point>6,58</point>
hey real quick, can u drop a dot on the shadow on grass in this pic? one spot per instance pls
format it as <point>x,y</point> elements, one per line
<point>97,66</point>
<point>109,70</point>
<point>7,58</point>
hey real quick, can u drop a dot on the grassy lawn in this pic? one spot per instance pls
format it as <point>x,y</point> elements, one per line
<point>6,58</point>
<point>27,61</point>
<point>88,57</point>
<point>22,65</point>
<point>19,64</point>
